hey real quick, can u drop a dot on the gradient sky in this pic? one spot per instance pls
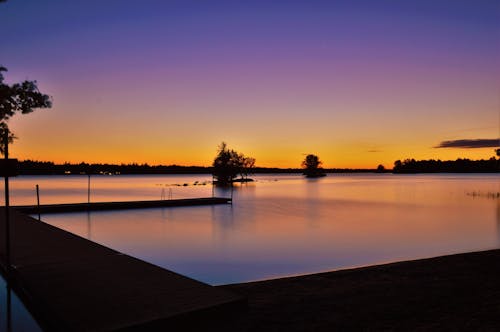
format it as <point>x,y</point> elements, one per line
<point>357,82</point>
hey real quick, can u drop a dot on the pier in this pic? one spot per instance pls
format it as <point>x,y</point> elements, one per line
<point>102,206</point>
<point>69,283</point>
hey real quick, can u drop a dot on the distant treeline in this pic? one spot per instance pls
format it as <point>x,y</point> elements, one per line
<point>491,165</point>
<point>30,167</point>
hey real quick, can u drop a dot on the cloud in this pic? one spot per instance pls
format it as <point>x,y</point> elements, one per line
<point>374,151</point>
<point>470,143</point>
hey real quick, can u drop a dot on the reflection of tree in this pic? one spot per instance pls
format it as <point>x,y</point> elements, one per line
<point>313,203</point>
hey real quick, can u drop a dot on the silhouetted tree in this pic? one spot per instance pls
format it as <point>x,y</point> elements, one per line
<point>248,165</point>
<point>229,163</point>
<point>3,129</point>
<point>311,165</point>
<point>19,97</point>
<point>380,169</point>
<point>497,152</point>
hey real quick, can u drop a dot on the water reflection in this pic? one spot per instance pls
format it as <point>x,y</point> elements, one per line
<point>8,310</point>
<point>74,188</point>
<point>294,226</point>
<point>13,315</point>
<point>89,226</point>
<point>498,220</point>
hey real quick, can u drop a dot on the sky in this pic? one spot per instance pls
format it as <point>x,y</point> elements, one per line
<point>359,83</point>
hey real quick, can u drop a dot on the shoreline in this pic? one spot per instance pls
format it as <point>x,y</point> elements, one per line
<point>459,292</point>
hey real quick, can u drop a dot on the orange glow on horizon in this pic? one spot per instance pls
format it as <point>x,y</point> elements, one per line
<point>275,82</point>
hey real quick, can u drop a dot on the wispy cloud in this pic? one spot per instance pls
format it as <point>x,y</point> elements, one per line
<point>470,143</point>
<point>374,151</point>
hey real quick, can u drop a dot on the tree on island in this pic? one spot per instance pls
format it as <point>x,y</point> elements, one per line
<point>311,165</point>
<point>18,98</point>
<point>228,164</point>
<point>248,165</point>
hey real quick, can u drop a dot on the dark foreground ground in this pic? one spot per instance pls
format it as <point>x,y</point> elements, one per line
<point>449,293</point>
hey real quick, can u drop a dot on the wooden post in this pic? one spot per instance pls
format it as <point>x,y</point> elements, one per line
<point>38,200</point>
<point>88,190</point>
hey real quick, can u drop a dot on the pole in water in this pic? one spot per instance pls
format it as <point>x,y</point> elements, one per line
<point>88,190</point>
<point>38,200</point>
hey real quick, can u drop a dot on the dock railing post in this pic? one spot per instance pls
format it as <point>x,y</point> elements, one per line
<point>38,200</point>
<point>88,189</point>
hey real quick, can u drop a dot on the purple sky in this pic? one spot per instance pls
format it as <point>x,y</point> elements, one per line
<point>167,81</point>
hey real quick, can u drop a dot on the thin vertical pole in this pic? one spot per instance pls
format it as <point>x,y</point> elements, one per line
<point>7,203</point>
<point>88,190</point>
<point>213,186</point>
<point>38,200</point>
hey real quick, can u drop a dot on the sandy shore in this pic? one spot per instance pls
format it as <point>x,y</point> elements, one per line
<point>449,293</point>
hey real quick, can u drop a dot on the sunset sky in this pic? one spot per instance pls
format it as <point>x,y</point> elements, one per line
<point>359,83</point>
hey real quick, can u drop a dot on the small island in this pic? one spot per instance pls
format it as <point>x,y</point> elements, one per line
<point>311,165</point>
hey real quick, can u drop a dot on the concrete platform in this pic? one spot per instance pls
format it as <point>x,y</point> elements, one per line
<point>72,284</point>
<point>101,206</point>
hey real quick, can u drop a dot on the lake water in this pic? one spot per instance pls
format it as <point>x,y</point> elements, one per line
<point>13,314</point>
<point>281,225</point>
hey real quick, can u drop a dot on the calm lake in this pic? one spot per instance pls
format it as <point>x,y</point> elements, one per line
<point>280,225</point>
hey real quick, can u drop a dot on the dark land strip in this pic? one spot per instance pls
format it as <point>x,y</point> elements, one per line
<point>449,293</point>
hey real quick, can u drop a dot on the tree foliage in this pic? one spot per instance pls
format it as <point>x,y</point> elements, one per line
<point>3,130</point>
<point>311,165</point>
<point>21,98</point>
<point>228,164</point>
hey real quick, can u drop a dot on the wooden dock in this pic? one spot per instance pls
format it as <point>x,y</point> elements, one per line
<point>72,284</point>
<point>102,206</point>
